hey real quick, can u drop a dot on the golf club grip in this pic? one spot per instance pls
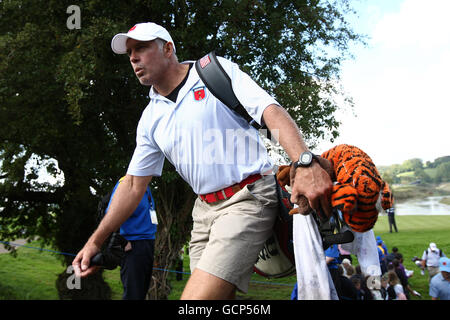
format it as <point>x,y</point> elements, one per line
<point>97,260</point>
<point>344,237</point>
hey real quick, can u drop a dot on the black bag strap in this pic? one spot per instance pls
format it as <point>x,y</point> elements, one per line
<point>218,83</point>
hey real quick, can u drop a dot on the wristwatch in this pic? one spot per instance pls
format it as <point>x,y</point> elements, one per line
<point>305,160</point>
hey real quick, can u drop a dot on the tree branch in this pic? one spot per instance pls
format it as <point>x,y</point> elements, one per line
<point>34,196</point>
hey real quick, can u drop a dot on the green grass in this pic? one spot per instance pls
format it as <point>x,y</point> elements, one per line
<point>415,234</point>
<point>32,274</point>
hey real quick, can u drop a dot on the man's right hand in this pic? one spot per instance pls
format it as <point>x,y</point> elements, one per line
<point>81,263</point>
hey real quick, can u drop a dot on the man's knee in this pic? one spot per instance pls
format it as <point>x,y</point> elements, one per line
<point>203,286</point>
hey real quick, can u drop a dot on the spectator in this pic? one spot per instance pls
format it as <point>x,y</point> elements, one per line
<point>391,256</point>
<point>384,286</point>
<point>294,293</point>
<point>440,284</point>
<point>366,290</point>
<point>332,256</point>
<point>390,267</point>
<point>383,245</point>
<point>402,275</point>
<point>430,259</point>
<point>347,288</point>
<point>381,256</point>
<point>137,265</point>
<point>359,281</point>
<point>349,270</point>
<point>394,287</point>
<point>356,280</point>
<point>343,254</point>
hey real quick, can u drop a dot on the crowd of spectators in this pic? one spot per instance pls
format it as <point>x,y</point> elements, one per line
<point>393,284</point>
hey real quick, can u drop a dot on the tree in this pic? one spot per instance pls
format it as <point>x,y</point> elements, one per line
<point>441,160</point>
<point>412,164</point>
<point>443,172</point>
<point>70,106</point>
<point>420,174</point>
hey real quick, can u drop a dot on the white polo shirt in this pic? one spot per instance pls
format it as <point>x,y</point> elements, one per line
<point>209,145</point>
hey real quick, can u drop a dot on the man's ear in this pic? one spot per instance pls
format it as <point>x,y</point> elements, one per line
<point>168,49</point>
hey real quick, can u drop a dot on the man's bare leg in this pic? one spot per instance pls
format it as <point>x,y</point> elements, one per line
<point>204,286</point>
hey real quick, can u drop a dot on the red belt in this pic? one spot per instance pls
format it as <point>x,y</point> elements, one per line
<point>228,192</point>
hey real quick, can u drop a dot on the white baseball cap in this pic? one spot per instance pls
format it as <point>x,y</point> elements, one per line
<point>433,246</point>
<point>143,32</point>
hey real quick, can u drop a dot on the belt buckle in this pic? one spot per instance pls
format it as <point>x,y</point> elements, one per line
<point>236,188</point>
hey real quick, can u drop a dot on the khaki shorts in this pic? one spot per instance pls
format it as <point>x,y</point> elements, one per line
<point>228,235</point>
<point>432,271</point>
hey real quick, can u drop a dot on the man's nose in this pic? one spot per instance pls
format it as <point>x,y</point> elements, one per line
<point>134,57</point>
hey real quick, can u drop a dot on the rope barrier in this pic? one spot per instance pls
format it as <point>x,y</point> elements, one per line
<point>154,268</point>
<point>41,249</point>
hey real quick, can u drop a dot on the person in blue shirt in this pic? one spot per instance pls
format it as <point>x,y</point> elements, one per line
<point>382,251</point>
<point>383,245</point>
<point>332,259</point>
<point>294,293</point>
<point>440,283</point>
<point>137,265</point>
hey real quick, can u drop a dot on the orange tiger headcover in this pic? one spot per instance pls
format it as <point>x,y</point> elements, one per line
<point>387,198</point>
<point>356,189</point>
<point>358,186</point>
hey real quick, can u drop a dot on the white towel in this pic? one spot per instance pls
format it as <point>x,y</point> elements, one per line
<point>364,246</point>
<point>313,278</point>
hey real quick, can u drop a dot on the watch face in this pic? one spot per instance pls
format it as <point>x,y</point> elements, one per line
<point>306,158</point>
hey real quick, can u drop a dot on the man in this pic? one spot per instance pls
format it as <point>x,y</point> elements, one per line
<point>391,219</point>
<point>237,204</point>
<point>440,284</point>
<point>391,256</point>
<point>382,244</point>
<point>430,259</point>
<point>381,255</point>
<point>332,260</point>
<point>137,265</point>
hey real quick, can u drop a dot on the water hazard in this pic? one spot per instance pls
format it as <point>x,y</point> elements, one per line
<point>425,206</point>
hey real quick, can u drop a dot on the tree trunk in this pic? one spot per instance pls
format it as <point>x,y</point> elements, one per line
<point>175,223</point>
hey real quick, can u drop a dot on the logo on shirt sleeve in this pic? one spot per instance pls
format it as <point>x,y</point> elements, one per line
<point>199,93</point>
<point>204,61</point>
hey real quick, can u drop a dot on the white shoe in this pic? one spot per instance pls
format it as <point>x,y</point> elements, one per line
<point>422,272</point>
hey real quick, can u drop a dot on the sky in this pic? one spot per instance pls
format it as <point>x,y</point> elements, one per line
<point>399,81</point>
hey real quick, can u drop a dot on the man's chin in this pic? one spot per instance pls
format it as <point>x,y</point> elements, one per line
<point>144,81</point>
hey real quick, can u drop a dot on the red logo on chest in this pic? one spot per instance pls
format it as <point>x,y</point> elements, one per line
<point>199,93</point>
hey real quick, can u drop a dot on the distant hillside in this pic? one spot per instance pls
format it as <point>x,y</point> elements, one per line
<point>405,192</point>
<point>414,171</point>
